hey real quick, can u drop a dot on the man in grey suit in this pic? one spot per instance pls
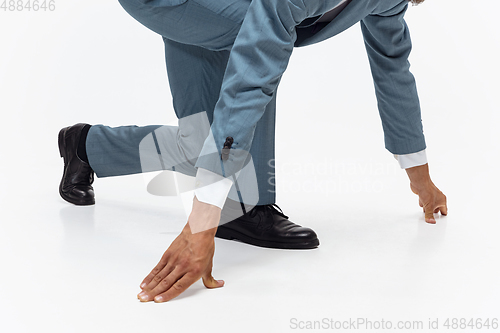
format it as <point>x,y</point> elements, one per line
<point>258,58</point>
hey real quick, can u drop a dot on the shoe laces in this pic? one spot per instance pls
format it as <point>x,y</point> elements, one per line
<point>268,209</point>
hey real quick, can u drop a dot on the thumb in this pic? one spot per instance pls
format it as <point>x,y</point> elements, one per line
<point>211,283</point>
<point>444,210</point>
<point>208,279</point>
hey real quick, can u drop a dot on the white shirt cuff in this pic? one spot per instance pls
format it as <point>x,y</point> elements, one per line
<point>411,160</point>
<point>212,188</point>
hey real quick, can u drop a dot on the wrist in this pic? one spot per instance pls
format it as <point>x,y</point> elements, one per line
<point>419,176</point>
<point>203,220</point>
<point>198,232</point>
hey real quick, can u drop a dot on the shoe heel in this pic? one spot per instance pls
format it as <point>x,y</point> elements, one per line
<point>61,142</point>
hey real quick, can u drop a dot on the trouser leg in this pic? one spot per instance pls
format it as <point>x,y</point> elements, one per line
<point>213,25</point>
<point>195,75</point>
<point>210,24</point>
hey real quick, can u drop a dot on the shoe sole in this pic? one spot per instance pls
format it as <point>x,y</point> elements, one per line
<point>62,147</point>
<point>224,233</point>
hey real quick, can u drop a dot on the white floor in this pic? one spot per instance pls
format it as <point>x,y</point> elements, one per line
<point>78,269</point>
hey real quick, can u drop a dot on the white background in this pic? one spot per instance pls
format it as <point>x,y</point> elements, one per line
<point>78,269</point>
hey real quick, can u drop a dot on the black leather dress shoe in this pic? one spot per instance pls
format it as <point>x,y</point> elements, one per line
<point>266,226</point>
<point>78,176</point>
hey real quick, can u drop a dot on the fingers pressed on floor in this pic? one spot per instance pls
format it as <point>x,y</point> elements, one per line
<point>165,284</point>
<point>176,289</point>
<point>159,277</point>
<point>158,268</point>
<point>429,217</point>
